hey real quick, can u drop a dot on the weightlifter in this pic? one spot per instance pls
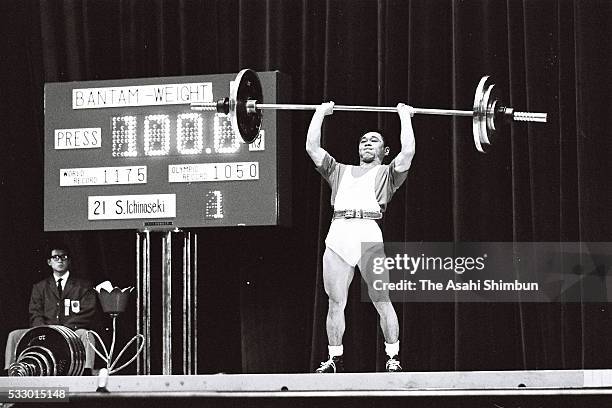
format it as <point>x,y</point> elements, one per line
<point>359,196</point>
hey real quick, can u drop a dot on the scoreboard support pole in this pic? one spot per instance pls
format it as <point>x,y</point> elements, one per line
<point>143,293</point>
<point>190,303</point>
<point>188,314</point>
<point>166,303</point>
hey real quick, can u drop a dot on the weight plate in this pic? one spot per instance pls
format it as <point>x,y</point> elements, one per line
<point>71,357</point>
<point>484,124</point>
<point>478,114</point>
<point>45,361</point>
<point>246,87</point>
<point>77,349</point>
<point>73,347</point>
<point>76,357</point>
<point>492,105</point>
<point>30,363</point>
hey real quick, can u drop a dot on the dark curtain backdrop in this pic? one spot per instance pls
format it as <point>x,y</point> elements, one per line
<point>262,306</point>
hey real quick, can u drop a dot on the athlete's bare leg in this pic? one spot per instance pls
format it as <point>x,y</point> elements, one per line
<point>380,298</point>
<point>337,277</point>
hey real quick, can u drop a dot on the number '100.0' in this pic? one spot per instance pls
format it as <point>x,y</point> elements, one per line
<point>156,131</point>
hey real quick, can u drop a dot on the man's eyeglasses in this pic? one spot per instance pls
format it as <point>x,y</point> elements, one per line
<point>59,257</point>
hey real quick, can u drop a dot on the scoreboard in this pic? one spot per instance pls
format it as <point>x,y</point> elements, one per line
<point>131,154</point>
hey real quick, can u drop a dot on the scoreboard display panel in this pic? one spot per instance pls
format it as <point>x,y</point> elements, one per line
<point>131,154</point>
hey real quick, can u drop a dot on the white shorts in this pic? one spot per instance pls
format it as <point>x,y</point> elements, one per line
<point>345,237</point>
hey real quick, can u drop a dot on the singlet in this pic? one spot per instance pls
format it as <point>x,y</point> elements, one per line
<point>386,182</point>
<point>370,191</point>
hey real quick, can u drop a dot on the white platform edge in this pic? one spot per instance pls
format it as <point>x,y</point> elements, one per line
<point>347,382</point>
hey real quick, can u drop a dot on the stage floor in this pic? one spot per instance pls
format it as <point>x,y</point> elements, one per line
<point>448,386</point>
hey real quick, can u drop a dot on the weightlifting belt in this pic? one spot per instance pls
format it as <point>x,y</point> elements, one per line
<point>367,215</point>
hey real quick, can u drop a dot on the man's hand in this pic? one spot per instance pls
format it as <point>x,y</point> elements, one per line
<point>326,108</point>
<point>405,110</point>
<point>313,138</point>
<point>404,158</point>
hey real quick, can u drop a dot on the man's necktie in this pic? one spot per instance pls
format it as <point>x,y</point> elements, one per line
<point>59,287</point>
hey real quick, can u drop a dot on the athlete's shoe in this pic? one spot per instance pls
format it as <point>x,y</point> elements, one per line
<point>393,365</point>
<point>332,365</point>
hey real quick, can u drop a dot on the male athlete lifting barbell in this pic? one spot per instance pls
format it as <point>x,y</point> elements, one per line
<point>359,197</point>
<point>360,193</point>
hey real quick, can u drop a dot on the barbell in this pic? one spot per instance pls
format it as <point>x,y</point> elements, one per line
<point>245,104</point>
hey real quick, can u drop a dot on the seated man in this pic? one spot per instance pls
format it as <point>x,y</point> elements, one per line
<point>61,299</point>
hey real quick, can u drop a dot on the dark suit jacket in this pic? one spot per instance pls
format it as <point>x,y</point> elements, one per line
<point>76,309</point>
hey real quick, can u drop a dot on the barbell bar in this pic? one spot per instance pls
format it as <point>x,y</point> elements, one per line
<point>356,108</point>
<point>245,104</point>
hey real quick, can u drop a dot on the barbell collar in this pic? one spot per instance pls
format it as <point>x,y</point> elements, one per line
<point>223,105</point>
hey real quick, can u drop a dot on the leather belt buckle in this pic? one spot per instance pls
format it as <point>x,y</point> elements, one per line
<point>358,213</point>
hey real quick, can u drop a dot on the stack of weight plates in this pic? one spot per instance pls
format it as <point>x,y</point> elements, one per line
<point>49,350</point>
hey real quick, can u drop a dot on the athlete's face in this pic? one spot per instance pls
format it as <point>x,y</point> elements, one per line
<point>372,148</point>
